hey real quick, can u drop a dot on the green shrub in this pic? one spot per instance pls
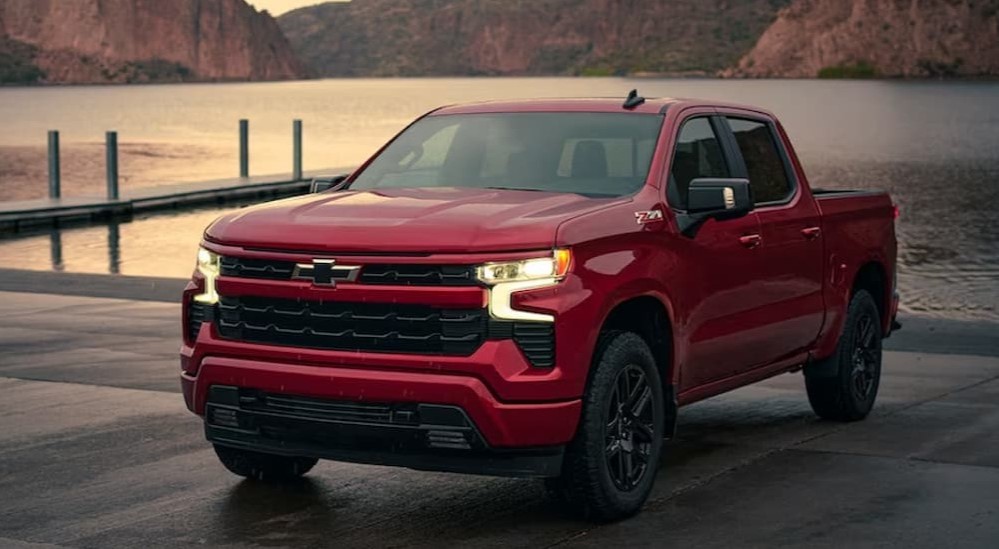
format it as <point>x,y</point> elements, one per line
<point>17,64</point>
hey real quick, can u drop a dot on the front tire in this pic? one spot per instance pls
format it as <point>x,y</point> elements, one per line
<point>266,467</point>
<point>844,386</point>
<point>611,465</point>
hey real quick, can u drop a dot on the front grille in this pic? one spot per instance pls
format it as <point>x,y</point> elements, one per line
<point>377,273</point>
<point>381,327</point>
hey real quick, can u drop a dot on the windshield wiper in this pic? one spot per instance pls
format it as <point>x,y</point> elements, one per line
<point>520,189</point>
<point>587,195</point>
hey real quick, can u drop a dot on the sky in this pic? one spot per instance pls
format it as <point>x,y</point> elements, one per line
<point>277,7</point>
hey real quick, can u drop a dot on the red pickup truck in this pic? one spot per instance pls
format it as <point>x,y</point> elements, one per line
<point>534,288</point>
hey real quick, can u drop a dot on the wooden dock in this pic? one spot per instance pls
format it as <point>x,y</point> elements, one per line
<point>16,216</point>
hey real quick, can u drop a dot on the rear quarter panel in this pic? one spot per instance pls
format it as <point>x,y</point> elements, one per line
<point>858,228</point>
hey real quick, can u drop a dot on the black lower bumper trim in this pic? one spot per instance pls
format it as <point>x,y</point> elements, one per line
<point>421,436</point>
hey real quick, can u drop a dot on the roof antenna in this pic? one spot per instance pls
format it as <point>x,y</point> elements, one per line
<point>633,100</point>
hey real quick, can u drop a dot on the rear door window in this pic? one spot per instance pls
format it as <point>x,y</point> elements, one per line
<point>767,172</point>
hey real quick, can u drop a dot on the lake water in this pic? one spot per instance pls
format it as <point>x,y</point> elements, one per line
<point>933,145</point>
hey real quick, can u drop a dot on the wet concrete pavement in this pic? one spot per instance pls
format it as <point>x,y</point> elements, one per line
<point>97,450</point>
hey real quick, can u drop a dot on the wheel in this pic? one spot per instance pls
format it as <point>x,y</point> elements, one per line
<point>268,467</point>
<point>844,386</point>
<point>611,465</point>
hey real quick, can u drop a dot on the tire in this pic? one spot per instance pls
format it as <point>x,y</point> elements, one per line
<point>265,467</point>
<point>844,386</point>
<point>611,440</point>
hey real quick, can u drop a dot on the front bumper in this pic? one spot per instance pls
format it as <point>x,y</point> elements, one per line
<point>418,436</point>
<point>500,424</point>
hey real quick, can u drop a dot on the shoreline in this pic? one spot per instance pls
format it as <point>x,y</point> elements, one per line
<point>627,76</point>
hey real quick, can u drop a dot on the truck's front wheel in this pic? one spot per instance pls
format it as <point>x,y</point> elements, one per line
<point>611,465</point>
<point>260,466</point>
<point>843,387</point>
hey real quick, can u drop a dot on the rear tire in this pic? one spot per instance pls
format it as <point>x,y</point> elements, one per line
<point>266,467</point>
<point>844,386</point>
<point>611,465</point>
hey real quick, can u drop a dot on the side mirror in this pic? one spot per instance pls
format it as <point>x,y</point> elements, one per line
<point>320,184</point>
<point>715,198</point>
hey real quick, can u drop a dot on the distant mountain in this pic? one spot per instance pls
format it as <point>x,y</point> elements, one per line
<point>866,38</point>
<point>514,37</point>
<point>105,41</point>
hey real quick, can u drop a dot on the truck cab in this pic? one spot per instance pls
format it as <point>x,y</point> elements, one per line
<point>535,288</point>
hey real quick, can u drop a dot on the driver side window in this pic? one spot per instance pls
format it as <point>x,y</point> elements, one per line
<point>698,154</point>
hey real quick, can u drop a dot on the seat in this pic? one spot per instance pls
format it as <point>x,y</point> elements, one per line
<point>589,160</point>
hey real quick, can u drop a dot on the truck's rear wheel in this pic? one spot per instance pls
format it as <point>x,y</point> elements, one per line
<point>844,386</point>
<point>260,466</point>
<point>611,465</point>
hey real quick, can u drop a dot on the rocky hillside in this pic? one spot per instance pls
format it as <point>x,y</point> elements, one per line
<point>514,37</point>
<point>865,38</point>
<point>102,41</point>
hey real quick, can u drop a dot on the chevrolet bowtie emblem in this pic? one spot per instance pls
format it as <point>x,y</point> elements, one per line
<point>325,272</point>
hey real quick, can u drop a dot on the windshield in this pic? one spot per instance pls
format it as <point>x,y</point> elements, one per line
<point>592,154</point>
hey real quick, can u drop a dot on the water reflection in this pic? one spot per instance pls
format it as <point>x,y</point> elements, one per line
<point>162,245</point>
<point>55,245</point>
<point>114,248</point>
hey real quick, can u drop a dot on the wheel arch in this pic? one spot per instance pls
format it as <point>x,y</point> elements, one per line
<point>648,316</point>
<point>871,276</point>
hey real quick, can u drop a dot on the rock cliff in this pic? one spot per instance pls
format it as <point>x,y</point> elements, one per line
<point>98,41</point>
<point>904,38</point>
<point>514,37</point>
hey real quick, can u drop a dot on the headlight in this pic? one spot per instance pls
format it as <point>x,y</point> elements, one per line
<point>506,278</point>
<point>528,269</point>
<point>208,266</point>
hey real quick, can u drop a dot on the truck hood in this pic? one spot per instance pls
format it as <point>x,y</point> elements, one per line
<point>414,220</point>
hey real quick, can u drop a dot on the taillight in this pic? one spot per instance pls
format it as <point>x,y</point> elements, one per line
<point>896,211</point>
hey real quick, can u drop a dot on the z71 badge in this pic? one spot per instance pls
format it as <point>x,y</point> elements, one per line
<point>648,216</point>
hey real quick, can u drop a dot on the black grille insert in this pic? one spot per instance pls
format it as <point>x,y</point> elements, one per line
<point>419,275</point>
<point>197,313</point>
<point>331,410</point>
<point>256,268</point>
<point>384,327</point>
<point>537,341</point>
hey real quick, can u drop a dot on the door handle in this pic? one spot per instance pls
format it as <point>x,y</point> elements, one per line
<point>811,233</point>
<point>750,240</point>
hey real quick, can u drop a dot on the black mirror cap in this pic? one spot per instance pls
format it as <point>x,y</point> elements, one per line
<point>320,184</point>
<point>720,198</point>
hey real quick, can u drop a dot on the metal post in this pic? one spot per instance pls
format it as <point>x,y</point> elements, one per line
<point>54,183</point>
<point>244,148</point>
<point>112,164</point>
<point>296,153</point>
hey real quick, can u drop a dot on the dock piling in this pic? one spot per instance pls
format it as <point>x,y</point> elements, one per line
<point>54,170</point>
<point>111,143</point>
<point>296,153</point>
<point>244,148</point>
